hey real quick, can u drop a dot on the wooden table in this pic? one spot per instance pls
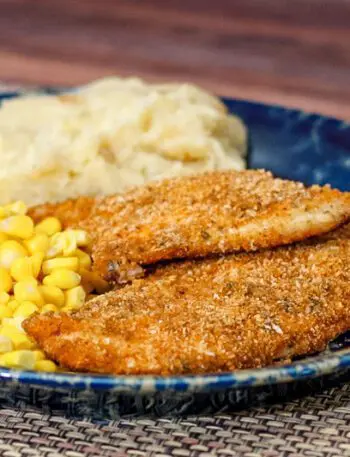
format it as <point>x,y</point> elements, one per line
<point>294,53</point>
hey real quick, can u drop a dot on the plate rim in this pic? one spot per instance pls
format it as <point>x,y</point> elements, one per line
<point>310,367</point>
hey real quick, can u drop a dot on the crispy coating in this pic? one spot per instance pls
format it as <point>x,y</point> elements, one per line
<point>213,315</point>
<point>198,216</point>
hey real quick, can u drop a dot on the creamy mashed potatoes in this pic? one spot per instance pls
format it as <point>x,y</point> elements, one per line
<point>111,135</point>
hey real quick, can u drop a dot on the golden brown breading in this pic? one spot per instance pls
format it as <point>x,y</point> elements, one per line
<point>197,216</point>
<point>239,311</point>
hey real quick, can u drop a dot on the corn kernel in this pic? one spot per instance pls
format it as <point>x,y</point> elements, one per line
<point>10,250</point>
<point>21,341</point>
<point>62,278</point>
<point>69,263</point>
<point>5,344</point>
<point>49,308</point>
<point>75,297</point>
<point>70,243</point>
<point>5,311</point>
<point>68,309</point>
<point>20,226</point>
<point>37,261</point>
<point>49,225</point>
<point>56,245</point>
<point>39,355</point>
<point>15,208</point>
<point>5,280</point>
<point>22,268</point>
<point>45,365</point>
<point>25,309</point>
<point>4,297</point>
<point>13,324</point>
<point>8,330</point>
<point>84,259</point>
<point>62,243</point>
<point>28,290</point>
<point>52,294</point>
<point>81,236</point>
<point>38,243</point>
<point>3,237</point>
<point>13,305</point>
<point>18,359</point>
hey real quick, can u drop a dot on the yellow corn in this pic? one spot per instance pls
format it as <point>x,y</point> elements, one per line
<point>28,290</point>
<point>45,365</point>
<point>18,359</point>
<point>49,308</point>
<point>3,237</point>
<point>56,245</point>
<point>21,341</point>
<point>68,309</point>
<point>5,311</point>
<point>11,250</point>
<point>13,324</point>
<point>39,272</point>
<point>69,263</point>
<point>52,294</point>
<point>4,297</point>
<point>12,305</point>
<point>69,242</point>
<point>5,344</point>
<point>8,330</point>
<point>82,238</point>
<point>25,309</point>
<point>62,243</point>
<point>38,243</point>
<point>38,355</point>
<point>15,208</point>
<point>22,269</point>
<point>50,226</point>
<point>37,261</point>
<point>5,280</point>
<point>84,259</point>
<point>19,226</point>
<point>62,278</point>
<point>75,297</point>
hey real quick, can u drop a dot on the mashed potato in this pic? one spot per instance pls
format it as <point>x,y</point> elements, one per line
<point>110,135</point>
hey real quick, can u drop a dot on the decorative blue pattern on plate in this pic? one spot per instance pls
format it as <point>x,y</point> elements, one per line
<point>292,144</point>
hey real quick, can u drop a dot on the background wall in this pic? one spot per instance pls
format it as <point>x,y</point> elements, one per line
<point>292,52</point>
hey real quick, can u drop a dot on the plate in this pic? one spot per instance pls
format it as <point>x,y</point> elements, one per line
<point>292,144</point>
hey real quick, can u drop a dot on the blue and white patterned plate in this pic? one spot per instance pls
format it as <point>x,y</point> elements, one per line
<point>294,145</point>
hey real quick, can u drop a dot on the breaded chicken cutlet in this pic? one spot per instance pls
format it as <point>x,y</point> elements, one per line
<point>213,315</point>
<point>188,217</point>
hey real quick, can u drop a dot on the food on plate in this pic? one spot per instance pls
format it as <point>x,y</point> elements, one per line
<point>110,135</point>
<point>42,269</point>
<point>213,213</point>
<point>213,315</point>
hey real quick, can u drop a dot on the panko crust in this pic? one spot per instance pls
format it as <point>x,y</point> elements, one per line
<point>208,316</point>
<point>214,213</point>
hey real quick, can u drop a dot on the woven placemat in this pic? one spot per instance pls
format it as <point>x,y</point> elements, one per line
<point>315,426</point>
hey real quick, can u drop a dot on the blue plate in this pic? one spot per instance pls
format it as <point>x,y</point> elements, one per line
<point>292,144</point>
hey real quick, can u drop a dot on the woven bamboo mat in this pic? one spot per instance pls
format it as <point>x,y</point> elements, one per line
<point>314,426</point>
